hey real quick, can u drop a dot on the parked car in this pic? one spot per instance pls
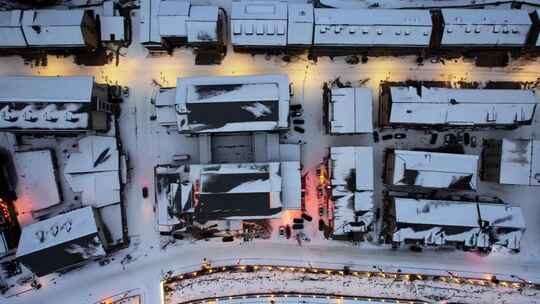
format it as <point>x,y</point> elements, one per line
<point>298,226</point>
<point>295,107</point>
<point>125,92</point>
<point>321,225</point>
<point>321,210</point>
<point>299,130</point>
<point>376,137</point>
<point>282,231</point>
<point>433,138</point>
<point>298,220</point>
<point>400,135</point>
<point>473,141</point>
<point>296,113</point>
<point>387,137</point>
<point>288,231</point>
<point>307,217</point>
<point>227,238</point>
<point>145,192</point>
<point>466,138</point>
<point>298,121</point>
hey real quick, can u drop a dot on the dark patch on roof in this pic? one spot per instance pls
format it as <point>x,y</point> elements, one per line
<point>350,180</point>
<point>462,183</point>
<point>217,114</point>
<point>219,206</point>
<point>220,183</point>
<point>409,177</point>
<point>212,90</point>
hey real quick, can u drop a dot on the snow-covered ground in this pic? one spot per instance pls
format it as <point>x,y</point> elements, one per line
<point>149,144</point>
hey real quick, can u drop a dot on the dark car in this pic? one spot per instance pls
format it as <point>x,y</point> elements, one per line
<point>466,138</point>
<point>145,192</point>
<point>376,137</point>
<point>299,130</point>
<point>295,107</point>
<point>296,113</point>
<point>307,217</point>
<point>298,121</point>
<point>433,138</point>
<point>298,220</point>
<point>298,226</point>
<point>321,225</point>
<point>321,210</point>
<point>387,137</point>
<point>288,231</point>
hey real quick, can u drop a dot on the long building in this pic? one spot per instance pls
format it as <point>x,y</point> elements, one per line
<point>61,242</point>
<point>351,181</point>
<point>225,104</point>
<point>419,169</point>
<point>226,192</point>
<point>468,225</point>
<point>511,161</point>
<point>348,110</point>
<point>54,104</point>
<point>49,30</point>
<point>420,106</point>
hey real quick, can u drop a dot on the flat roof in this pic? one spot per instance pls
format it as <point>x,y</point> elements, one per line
<point>27,89</point>
<point>435,170</point>
<point>232,104</point>
<point>94,170</point>
<point>351,110</point>
<point>112,25</point>
<point>291,192</point>
<point>300,24</point>
<point>461,106</point>
<point>54,231</point>
<point>37,186</point>
<point>520,162</point>
<point>436,212</point>
<point>372,27</point>
<point>259,23</point>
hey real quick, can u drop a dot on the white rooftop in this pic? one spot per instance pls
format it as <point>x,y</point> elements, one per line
<point>435,170</point>
<point>351,110</point>
<point>433,106</point>
<point>520,162</point>
<point>11,34</point>
<point>57,230</point>
<point>259,23</point>
<point>485,27</point>
<point>53,27</point>
<point>372,27</point>
<point>94,171</point>
<point>27,89</point>
<point>112,27</point>
<point>37,186</point>
<point>436,212</point>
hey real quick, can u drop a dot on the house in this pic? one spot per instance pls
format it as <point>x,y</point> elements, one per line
<point>352,31</point>
<point>226,192</point>
<point>351,182</point>
<point>511,161</point>
<point>485,28</point>
<point>349,110</point>
<point>421,106</point>
<point>225,104</point>
<point>63,241</point>
<point>54,104</point>
<point>169,24</point>
<point>419,169</point>
<point>271,26</point>
<point>59,29</point>
<point>468,225</point>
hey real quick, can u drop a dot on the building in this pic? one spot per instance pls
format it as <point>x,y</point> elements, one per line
<point>169,24</point>
<point>114,28</point>
<point>485,28</point>
<point>352,31</point>
<point>11,33</point>
<point>226,192</point>
<point>511,161</point>
<point>349,110</point>
<point>467,225</point>
<point>54,104</point>
<point>36,190</point>
<point>60,242</point>
<point>420,106</point>
<point>271,26</point>
<point>225,104</point>
<point>351,182</point>
<point>419,169</point>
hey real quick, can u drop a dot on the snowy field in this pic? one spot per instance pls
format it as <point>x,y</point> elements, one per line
<point>148,144</point>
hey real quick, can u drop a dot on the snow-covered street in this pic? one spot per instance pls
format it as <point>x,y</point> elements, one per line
<point>148,144</point>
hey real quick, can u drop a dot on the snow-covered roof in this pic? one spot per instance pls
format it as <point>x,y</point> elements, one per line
<point>434,170</point>
<point>112,26</point>
<point>372,27</point>
<point>437,222</point>
<point>232,103</point>
<point>520,162</point>
<point>434,106</point>
<point>49,89</point>
<point>177,19</point>
<point>351,110</point>
<point>351,167</point>
<point>11,34</point>
<point>68,116</point>
<point>57,230</point>
<point>485,27</point>
<point>37,186</point>
<point>53,27</point>
<point>259,23</point>
<point>291,193</point>
<point>300,24</point>
<point>164,102</point>
<point>94,170</point>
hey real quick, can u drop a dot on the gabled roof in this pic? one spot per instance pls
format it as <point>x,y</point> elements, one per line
<point>11,34</point>
<point>351,110</point>
<point>53,27</point>
<point>435,170</point>
<point>520,162</point>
